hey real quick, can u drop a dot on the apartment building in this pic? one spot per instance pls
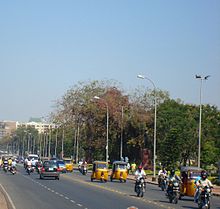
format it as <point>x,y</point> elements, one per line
<point>39,126</point>
<point>8,127</point>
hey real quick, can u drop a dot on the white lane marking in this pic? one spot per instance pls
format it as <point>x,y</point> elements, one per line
<point>57,193</point>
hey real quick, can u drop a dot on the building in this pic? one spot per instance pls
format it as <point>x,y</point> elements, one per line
<point>39,126</point>
<point>8,127</point>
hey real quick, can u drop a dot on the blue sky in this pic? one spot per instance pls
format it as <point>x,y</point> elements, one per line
<point>48,46</point>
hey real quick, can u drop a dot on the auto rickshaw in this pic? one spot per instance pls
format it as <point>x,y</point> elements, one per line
<point>119,171</point>
<point>69,164</point>
<point>100,171</point>
<point>188,176</point>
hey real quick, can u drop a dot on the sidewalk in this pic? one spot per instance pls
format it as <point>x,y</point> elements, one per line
<point>215,190</point>
<point>3,201</point>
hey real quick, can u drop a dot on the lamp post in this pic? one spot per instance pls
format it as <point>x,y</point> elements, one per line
<point>200,113</point>
<point>122,116</point>
<point>107,118</point>
<point>155,120</point>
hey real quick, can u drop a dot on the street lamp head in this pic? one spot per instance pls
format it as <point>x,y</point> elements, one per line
<point>141,76</point>
<point>206,77</point>
<point>198,76</point>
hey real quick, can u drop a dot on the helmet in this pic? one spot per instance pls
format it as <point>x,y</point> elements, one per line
<point>172,172</point>
<point>204,174</point>
<point>139,167</point>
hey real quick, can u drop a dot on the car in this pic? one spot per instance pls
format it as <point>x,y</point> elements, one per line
<point>61,165</point>
<point>50,169</point>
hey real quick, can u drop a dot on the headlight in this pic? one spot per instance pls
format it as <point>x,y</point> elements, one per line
<point>175,184</point>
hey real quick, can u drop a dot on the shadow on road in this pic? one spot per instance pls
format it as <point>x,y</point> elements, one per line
<point>189,207</point>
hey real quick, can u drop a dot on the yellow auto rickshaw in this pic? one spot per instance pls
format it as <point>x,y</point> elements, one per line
<point>188,176</point>
<point>119,171</point>
<point>69,164</point>
<point>100,171</point>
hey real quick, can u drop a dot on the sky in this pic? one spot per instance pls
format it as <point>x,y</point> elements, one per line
<point>46,47</point>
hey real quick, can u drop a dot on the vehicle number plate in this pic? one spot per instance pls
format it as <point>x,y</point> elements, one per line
<point>50,169</point>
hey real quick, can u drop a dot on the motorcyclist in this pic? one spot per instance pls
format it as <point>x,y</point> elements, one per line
<point>28,163</point>
<point>5,164</point>
<point>13,164</point>
<point>25,163</point>
<point>83,166</point>
<point>161,175</point>
<point>139,173</point>
<point>201,183</point>
<point>172,177</point>
<point>9,162</point>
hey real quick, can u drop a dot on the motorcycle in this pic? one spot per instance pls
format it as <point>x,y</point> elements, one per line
<point>204,198</point>
<point>140,187</point>
<point>173,191</point>
<point>13,170</point>
<point>84,170</point>
<point>5,167</point>
<point>29,170</point>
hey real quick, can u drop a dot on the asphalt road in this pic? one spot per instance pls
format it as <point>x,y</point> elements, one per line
<point>76,191</point>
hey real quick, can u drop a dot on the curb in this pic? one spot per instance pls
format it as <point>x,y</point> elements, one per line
<point>9,203</point>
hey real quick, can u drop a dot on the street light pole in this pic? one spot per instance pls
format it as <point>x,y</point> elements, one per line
<point>200,114</point>
<point>122,127</point>
<point>107,119</point>
<point>155,120</point>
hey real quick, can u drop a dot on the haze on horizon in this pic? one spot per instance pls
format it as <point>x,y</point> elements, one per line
<point>49,46</point>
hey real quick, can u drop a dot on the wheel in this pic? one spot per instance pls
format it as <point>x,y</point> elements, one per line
<point>200,206</point>
<point>41,177</point>
<point>138,191</point>
<point>91,179</point>
<point>170,200</point>
<point>125,180</point>
<point>175,200</point>
<point>111,178</point>
<point>209,205</point>
<point>58,178</point>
